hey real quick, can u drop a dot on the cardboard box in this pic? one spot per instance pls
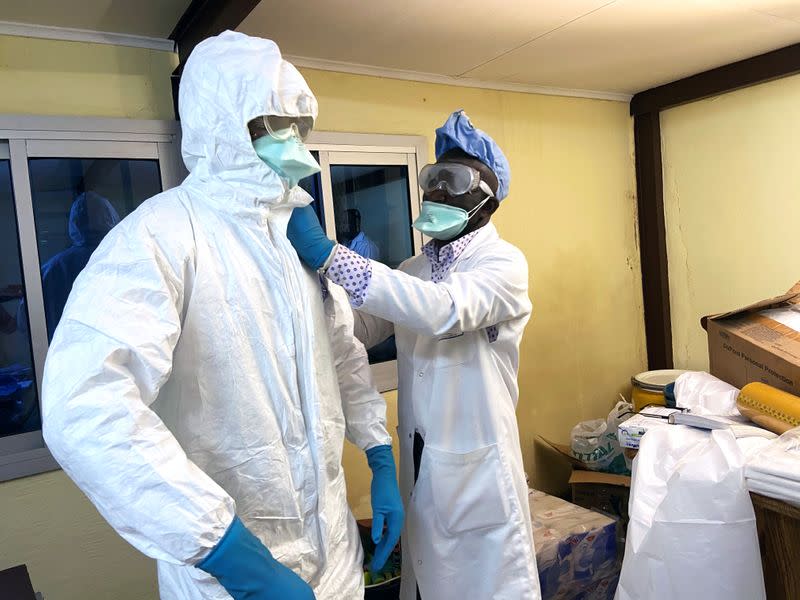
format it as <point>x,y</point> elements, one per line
<point>604,492</point>
<point>745,345</point>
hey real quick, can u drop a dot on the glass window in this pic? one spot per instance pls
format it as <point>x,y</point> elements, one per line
<point>76,202</point>
<point>372,212</point>
<point>19,406</point>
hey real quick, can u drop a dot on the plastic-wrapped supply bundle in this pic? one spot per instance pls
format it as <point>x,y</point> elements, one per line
<point>576,550</point>
<point>704,394</point>
<point>775,470</point>
<point>601,590</point>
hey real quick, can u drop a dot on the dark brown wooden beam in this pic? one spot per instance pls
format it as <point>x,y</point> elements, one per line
<point>203,19</point>
<point>653,240</point>
<point>752,71</point>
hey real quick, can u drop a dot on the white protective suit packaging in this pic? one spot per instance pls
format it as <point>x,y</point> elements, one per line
<point>705,395</point>
<point>193,376</point>
<point>775,470</point>
<point>692,531</point>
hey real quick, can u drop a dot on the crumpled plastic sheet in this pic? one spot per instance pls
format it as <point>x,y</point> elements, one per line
<point>704,394</point>
<point>692,531</point>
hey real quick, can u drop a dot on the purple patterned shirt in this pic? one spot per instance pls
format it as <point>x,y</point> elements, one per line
<point>447,255</point>
<point>441,264</point>
<point>351,271</point>
<point>354,272</point>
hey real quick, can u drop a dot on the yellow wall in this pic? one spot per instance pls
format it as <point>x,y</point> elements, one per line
<point>47,77</point>
<point>571,210</point>
<point>731,181</point>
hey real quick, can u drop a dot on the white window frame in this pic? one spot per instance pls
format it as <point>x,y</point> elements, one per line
<point>26,137</point>
<point>371,149</point>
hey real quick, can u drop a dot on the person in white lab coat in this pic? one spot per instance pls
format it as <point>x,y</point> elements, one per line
<point>198,389</point>
<point>458,312</point>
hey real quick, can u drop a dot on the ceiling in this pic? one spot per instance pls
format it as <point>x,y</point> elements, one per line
<point>615,47</point>
<point>149,18</point>
<point>621,46</point>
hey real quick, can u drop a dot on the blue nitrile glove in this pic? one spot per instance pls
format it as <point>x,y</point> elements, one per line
<point>387,505</point>
<point>308,238</point>
<point>247,571</point>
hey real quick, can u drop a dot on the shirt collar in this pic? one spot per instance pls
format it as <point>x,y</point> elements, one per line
<point>449,253</point>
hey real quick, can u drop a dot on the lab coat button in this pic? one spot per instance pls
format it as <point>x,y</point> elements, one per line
<point>419,562</point>
<point>420,373</point>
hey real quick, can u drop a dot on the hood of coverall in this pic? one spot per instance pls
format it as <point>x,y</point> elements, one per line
<point>229,80</point>
<point>90,219</point>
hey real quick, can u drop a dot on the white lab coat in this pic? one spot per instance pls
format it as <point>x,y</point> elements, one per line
<point>468,528</point>
<point>192,375</point>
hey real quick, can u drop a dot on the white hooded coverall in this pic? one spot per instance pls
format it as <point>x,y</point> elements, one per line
<point>193,376</point>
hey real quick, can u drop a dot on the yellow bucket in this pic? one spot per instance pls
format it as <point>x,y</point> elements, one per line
<point>648,388</point>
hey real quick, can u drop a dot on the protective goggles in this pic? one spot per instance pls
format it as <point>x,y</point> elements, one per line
<point>454,178</point>
<point>282,128</point>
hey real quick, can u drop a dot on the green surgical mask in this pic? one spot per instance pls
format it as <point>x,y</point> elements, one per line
<point>442,221</point>
<point>289,158</point>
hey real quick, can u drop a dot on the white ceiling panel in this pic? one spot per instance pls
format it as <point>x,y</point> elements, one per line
<point>448,37</point>
<point>634,45</point>
<point>786,9</point>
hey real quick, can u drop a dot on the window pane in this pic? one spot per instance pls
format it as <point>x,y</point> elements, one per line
<point>372,209</point>
<point>19,406</point>
<point>76,202</point>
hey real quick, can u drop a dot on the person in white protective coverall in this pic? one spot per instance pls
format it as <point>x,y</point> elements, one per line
<point>458,311</point>
<point>198,388</point>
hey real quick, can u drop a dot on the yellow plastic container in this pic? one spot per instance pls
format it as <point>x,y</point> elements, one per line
<point>648,388</point>
<point>769,407</point>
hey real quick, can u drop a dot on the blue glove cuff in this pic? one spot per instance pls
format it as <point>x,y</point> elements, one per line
<point>380,457</point>
<point>237,536</point>
<point>247,570</point>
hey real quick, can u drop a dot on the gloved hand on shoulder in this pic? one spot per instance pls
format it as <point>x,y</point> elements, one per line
<point>308,238</point>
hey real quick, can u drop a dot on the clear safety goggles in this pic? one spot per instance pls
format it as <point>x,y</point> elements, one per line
<point>454,178</point>
<point>282,128</point>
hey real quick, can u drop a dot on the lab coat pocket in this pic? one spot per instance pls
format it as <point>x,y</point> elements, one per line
<point>467,489</point>
<point>455,349</point>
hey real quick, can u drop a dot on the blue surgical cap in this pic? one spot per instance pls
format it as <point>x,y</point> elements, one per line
<point>459,132</point>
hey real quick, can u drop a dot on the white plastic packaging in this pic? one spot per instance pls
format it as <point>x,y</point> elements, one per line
<point>692,531</point>
<point>595,442</point>
<point>704,394</point>
<point>774,471</point>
